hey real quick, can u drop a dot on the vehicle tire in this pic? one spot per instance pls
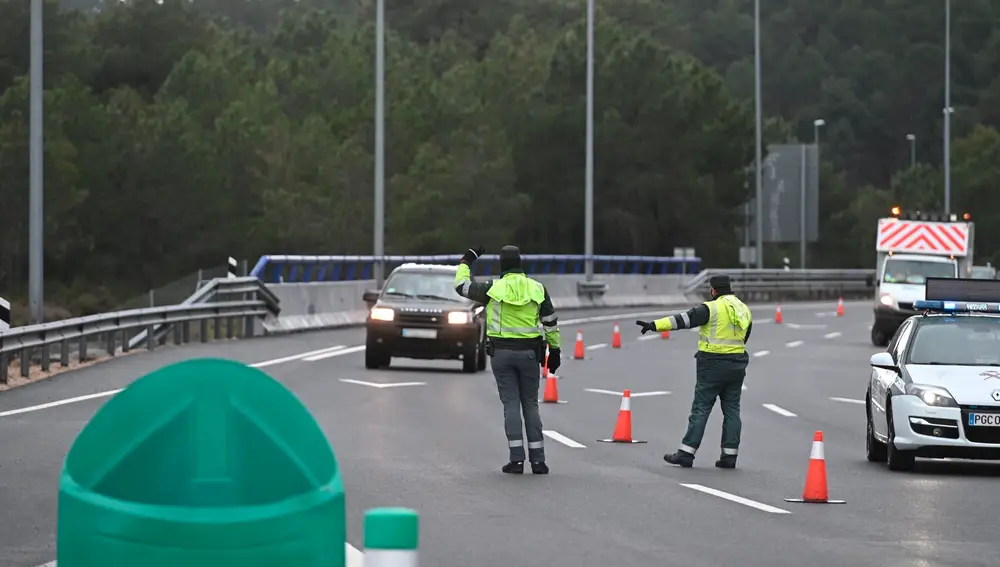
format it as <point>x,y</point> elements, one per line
<point>879,338</point>
<point>481,357</point>
<point>376,358</point>
<point>896,459</point>
<point>875,450</point>
<point>470,359</point>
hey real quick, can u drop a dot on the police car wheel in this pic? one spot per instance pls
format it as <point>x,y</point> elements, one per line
<point>879,338</point>
<point>875,450</point>
<point>896,459</point>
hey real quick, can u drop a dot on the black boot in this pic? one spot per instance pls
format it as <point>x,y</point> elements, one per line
<point>539,468</point>
<point>726,462</point>
<point>514,467</point>
<point>682,458</point>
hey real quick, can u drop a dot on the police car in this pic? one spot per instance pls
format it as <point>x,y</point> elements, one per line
<point>935,391</point>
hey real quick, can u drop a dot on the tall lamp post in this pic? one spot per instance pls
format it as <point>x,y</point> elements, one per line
<point>913,150</point>
<point>803,233</point>
<point>759,214</point>
<point>379,236</point>
<point>35,139</point>
<point>588,246</point>
<point>948,110</point>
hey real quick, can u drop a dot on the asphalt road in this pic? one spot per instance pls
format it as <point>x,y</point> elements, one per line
<point>438,446</point>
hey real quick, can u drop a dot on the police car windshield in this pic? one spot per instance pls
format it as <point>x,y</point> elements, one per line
<point>898,270</point>
<point>423,285</point>
<point>960,341</point>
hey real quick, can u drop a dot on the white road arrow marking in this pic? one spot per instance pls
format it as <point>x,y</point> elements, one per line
<point>632,394</point>
<point>380,386</point>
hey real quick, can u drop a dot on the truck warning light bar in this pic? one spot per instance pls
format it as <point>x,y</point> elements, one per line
<point>928,216</point>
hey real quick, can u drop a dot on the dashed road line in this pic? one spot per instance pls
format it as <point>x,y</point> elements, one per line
<point>848,400</point>
<point>293,357</point>
<point>760,353</point>
<point>648,337</point>
<point>831,335</point>
<point>332,354</point>
<point>793,344</point>
<point>631,394</point>
<point>738,499</point>
<point>600,391</point>
<point>556,436</point>
<point>381,386</point>
<point>597,346</point>
<point>779,410</point>
<point>60,403</point>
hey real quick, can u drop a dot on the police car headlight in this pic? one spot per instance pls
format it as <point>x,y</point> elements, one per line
<point>458,318</point>
<point>383,314</point>
<point>887,300</point>
<point>932,395</point>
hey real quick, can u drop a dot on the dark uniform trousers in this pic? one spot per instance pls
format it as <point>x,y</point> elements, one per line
<point>718,376</point>
<point>517,373</point>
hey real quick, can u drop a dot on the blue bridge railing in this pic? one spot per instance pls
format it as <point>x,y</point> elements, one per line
<point>299,269</point>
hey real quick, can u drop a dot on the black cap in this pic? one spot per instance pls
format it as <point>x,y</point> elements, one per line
<point>721,283</point>
<point>510,258</point>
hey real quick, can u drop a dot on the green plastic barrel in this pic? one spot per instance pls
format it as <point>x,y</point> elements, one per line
<point>202,463</point>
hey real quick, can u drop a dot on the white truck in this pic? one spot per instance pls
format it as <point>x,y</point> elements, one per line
<point>908,252</point>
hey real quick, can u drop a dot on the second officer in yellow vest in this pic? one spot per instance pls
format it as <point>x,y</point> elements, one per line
<point>725,324</point>
<point>515,306</point>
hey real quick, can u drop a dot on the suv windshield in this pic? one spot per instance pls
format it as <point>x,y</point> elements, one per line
<point>916,271</point>
<point>965,341</point>
<point>438,286</point>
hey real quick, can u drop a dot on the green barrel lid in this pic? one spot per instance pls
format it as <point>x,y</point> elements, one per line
<point>391,528</point>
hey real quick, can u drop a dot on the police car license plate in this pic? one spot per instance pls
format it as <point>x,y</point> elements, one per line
<point>985,419</point>
<point>420,333</point>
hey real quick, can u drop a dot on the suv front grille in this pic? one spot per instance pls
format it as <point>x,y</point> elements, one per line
<point>421,319</point>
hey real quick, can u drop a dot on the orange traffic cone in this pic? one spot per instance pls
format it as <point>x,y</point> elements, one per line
<point>840,307</point>
<point>616,337</point>
<point>623,428</point>
<point>578,351</point>
<point>551,395</point>
<point>665,335</point>
<point>545,366</point>
<point>777,315</point>
<point>815,491</point>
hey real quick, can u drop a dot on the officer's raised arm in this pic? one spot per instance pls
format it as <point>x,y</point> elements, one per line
<point>694,317</point>
<point>476,291</point>
<point>550,322</point>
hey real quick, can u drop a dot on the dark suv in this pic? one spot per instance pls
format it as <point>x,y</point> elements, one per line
<point>418,314</point>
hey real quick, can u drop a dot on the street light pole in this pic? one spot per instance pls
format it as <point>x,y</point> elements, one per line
<point>947,108</point>
<point>379,237</point>
<point>817,124</point>
<point>803,233</point>
<point>36,218</point>
<point>913,150</point>
<point>588,247</point>
<point>759,221</point>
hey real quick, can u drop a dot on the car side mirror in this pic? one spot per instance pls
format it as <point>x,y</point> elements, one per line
<point>370,296</point>
<point>884,361</point>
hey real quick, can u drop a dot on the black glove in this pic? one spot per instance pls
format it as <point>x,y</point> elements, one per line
<point>554,360</point>
<point>646,327</point>
<point>471,255</point>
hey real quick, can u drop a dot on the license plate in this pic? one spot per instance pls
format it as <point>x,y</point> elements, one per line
<point>420,333</point>
<point>985,419</point>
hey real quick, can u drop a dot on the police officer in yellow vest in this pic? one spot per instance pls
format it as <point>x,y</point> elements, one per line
<point>515,305</point>
<point>725,324</point>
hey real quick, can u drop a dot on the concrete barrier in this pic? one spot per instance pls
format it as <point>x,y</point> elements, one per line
<point>328,305</point>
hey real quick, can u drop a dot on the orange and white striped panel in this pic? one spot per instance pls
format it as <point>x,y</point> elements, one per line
<point>939,238</point>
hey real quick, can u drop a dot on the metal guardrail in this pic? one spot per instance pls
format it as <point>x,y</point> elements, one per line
<point>789,284</point>
<point>33,342</point>
<point>302,269</point>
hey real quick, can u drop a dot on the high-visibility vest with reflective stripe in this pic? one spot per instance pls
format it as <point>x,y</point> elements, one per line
<point>512,312</point>
<point>729,319</point>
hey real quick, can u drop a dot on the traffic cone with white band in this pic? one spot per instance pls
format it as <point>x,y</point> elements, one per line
<point>391,537</point>
<point>777,315</point>
<point>578,351</point>
<point>623,428</point>
<point>815,491</point>
<point>616,337</point>
<point>545,366</point>
<point>840,307</point>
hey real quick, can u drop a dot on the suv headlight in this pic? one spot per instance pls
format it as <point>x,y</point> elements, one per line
<point>383,314</point>
<point>932,395</point>
<point>458,318</point>
<point>886,300</point>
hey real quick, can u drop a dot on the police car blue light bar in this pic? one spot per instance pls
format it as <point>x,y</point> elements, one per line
<point>956,306</point>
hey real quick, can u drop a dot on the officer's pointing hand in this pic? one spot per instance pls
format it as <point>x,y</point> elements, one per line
<point>646,327</point>
<point>473,254</point>
<point>554,359</point>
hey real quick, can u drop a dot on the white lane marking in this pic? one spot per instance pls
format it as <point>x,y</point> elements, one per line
<point>61,402</point>
<point>355,557</point>
<point>798,327</point>
<point>648,337</point>
<point>380,386</point>
<point>762,353</point>
<point>793,344</point>
<point>763,320</point>
<point>831,335</point>
<point>597,346</point>
<point>556,436</point>
<point>869,327</point>
<point>599,391</point>
<point>646,394</point>
<point>738,499</point>
<point>848,400</point>
<point>779,410</point>
<point>294,357</point>
<point>340,352</point>
<point>744,387</point>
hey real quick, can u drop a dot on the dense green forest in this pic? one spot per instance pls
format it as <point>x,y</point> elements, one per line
<point>178,133</point>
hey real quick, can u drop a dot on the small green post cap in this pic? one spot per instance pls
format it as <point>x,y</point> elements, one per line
<point>391,528</point>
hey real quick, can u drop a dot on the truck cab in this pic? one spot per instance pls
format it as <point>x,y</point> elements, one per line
<point>911,248</point>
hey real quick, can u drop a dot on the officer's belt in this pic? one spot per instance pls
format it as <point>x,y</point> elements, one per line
<point>508,343</point>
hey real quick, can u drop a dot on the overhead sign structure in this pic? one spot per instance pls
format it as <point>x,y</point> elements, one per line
<point>790,173</point>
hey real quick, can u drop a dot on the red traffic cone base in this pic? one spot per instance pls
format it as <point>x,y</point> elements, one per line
<point>623,428</point>
<point>551,395</point>
<point>815,491</point>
